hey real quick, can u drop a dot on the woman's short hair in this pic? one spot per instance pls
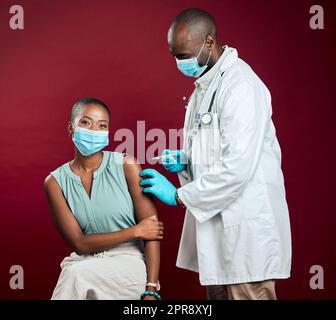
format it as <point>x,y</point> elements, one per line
<point>82,103</point>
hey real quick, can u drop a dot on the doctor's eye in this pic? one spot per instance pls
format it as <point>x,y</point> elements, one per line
<point>103,126</point>
<point>182,56</point>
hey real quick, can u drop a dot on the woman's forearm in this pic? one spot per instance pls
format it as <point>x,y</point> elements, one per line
<point>145,209</point>
<point>96,242</point>
<point>152,257</point>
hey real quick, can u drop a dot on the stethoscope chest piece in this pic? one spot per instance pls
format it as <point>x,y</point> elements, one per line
<point>206,118</point>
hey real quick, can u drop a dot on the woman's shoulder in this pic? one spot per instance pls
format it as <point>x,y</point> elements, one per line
<point>56,174</point>
<point>59,170</point>
<point>126,163</point>
<point>122,158</point>
<point>115,158</point>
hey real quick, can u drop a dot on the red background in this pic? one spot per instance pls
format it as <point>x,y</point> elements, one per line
<point>117,51</point>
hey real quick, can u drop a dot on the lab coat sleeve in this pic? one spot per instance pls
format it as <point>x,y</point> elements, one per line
<point>183,177</point>
<point>243,118</point>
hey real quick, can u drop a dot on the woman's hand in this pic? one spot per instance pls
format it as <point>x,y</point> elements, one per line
<point>149,298</point>
<point>149,229</point>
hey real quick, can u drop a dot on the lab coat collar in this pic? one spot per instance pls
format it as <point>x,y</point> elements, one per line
<point>227,58</point>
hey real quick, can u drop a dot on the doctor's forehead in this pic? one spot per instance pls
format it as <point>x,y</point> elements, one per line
<point>180,41</point>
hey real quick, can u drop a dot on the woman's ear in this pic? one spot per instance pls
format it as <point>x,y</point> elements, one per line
<point>70,128</point>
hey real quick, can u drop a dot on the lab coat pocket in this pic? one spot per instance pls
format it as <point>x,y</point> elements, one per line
<point>204,140</point>
<point>201,158</point>
<point>215,150</point>
<point>231,217</point>
<point>210,144</point>
<point>255,205</point>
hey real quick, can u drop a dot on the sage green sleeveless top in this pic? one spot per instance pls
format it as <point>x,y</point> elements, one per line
<point>110,207</point>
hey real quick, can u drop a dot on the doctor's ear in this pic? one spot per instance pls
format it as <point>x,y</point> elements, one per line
<point>210,41</point>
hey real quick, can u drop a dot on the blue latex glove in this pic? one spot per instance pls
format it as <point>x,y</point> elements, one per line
<point>159,186</point>
<point>176,160</point>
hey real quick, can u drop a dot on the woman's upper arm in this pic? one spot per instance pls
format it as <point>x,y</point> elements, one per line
<point>61,214</point>
<point>144,205</point>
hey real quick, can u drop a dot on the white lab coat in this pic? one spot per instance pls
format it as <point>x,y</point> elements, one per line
<point>236,227</point>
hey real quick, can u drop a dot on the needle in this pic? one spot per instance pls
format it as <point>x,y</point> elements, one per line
<point>164,156</point>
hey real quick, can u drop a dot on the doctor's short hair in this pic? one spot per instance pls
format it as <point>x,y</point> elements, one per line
<point>82,103</point>
<point>197,20</point>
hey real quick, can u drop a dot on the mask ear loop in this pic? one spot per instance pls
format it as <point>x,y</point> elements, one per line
<point>73,125</point>
<point>201,51</point>
<point>208,58</point>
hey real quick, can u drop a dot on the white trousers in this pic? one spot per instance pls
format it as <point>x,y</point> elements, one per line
<point>116,274</point>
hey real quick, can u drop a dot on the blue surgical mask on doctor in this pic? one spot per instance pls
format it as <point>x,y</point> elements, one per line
<point>190,67</point>
<point>89,141</point>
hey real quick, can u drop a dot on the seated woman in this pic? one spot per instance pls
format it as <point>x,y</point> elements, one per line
<point>100,210</point>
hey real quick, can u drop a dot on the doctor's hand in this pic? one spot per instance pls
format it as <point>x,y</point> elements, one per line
<point>159,186</point>
<point>176,160</point>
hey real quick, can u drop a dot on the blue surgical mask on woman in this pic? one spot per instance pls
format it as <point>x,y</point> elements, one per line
<point>190,67</point>
<point>89,141</point>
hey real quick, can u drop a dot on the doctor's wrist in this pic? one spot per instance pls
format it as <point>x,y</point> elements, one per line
<point>179,201</point>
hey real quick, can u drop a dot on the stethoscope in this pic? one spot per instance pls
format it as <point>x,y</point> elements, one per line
<point>206,117</point>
